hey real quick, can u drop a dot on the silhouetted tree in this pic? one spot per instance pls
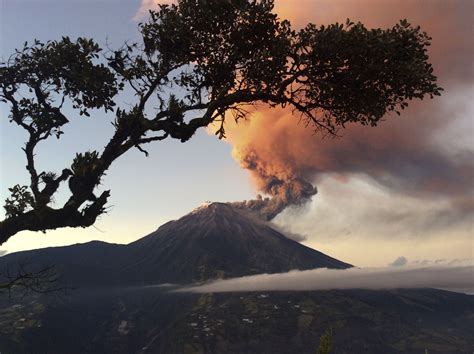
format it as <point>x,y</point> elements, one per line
<point>223,55</point>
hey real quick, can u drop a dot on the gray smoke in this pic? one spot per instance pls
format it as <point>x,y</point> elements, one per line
<point>281,182</point>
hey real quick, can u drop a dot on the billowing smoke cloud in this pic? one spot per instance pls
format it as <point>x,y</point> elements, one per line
<point>285,186</point>
<point>426,153</point>
<point>458,277</point>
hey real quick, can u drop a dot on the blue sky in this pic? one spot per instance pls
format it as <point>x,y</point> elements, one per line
<point>348,218</point>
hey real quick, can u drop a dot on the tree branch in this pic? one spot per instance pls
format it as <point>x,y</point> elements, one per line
<point>50,219</point>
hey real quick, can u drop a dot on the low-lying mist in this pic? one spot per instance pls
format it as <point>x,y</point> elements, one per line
<point>458,277</point>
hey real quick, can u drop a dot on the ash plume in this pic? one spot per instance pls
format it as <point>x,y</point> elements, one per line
<point>426,154</point>
<point>284,186</point>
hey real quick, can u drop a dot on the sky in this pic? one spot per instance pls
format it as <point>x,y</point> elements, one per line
<point>402,189</point>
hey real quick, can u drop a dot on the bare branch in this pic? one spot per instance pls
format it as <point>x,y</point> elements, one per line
<point>23,280</point>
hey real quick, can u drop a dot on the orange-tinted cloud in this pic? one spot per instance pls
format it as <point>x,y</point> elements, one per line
<point>449,22</point>
<point>405,154</point>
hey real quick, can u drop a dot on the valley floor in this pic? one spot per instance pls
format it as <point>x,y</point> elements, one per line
<point>154,320</point>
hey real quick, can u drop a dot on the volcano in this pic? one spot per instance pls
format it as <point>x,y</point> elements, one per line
<point>217,240</point>
<point>213,241</point>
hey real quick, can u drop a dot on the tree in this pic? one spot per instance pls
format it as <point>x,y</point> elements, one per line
<point>325,342</point>
<point>330,75</point>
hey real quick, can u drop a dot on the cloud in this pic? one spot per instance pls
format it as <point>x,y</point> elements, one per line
<point>448,22</point>
<point>403,155</point>
<point>360,207</point>
<point>442,261</point>
<point>399,262</point>
<point>456,278</point>
<point>426,154</point>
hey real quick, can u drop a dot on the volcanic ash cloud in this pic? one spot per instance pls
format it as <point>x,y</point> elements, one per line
<point>280,181</point>
<point>425,154</point>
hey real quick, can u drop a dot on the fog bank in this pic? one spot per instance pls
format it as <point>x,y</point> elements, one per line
<point>458,278</point>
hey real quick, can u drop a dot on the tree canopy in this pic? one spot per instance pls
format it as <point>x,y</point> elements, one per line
<point>330,75</point>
